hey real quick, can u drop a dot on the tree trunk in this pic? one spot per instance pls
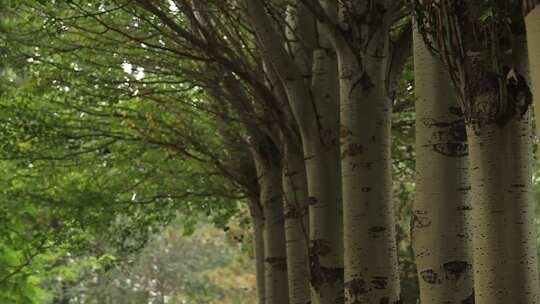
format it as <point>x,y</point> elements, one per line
<point>318,130</point>
<point>296,223</point>
<point>505,256</point>
<point>441,214</point>
<point>371,272</point>
<point>498,129</point>
<point>275,256</point>
<point>532,21</point>
<point>505,259</point>
<point>258,247</point>
<point>320,138</point>
<point>324,184</point>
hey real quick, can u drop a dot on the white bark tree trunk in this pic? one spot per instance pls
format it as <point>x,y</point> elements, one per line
<point>371,272</point>
<point>441,235</point>
<point>324,184</point>
<point>258,247</point>
<point>532,21</point>
<point>318,129</point>
<point>275,256</point>
<point>296,222</point>
<point>505,260</point>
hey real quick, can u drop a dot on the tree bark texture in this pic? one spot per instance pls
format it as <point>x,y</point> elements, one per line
<point>370,255</point>
<point>322,166</point>
<point>258,245</point>
<point>275,256</point>
<point>441,224</point>
<point>371,272</point>
<point>324,184</point>
<point>505,261</point>
<point>296,222</point>
<point>532,21</point>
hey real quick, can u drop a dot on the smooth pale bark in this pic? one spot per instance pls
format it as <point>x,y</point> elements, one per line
<point>318,129</point>
<point>275,256</point>
<point>441,235</point>
<point>532,21</point>
<point>370,255</point>
<point>505,261</point>
<point>505,256</point>
<point>498,129</point>
<point>296,222</point>
<point>258,247</point>
<point>321,145</point>
<point>324,184</point>
<point>258,230</point>
<point>365,63</point>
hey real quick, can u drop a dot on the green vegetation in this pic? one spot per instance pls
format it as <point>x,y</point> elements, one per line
<point>268,151</point>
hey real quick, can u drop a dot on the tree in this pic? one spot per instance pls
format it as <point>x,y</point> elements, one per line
<point>118,115</point>
<point>441,234</point>
<point>495,99</point>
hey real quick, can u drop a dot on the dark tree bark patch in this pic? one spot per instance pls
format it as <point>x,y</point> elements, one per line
<point>419,221</point>
<point>354,289</point>
<point>456,269</point>
<point>376,231</point>
<point>293,211</point>
<point>312,201</point>
<point>430,276</point>
<point>319,248</point>
<point>277,263</point>
<point>321,274</point>
<point>448,138</point>
<point>379,282</point>
<point>366,189</point>
<point>324,275</point>
<point>464,208</point>
<point>352,150</point>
